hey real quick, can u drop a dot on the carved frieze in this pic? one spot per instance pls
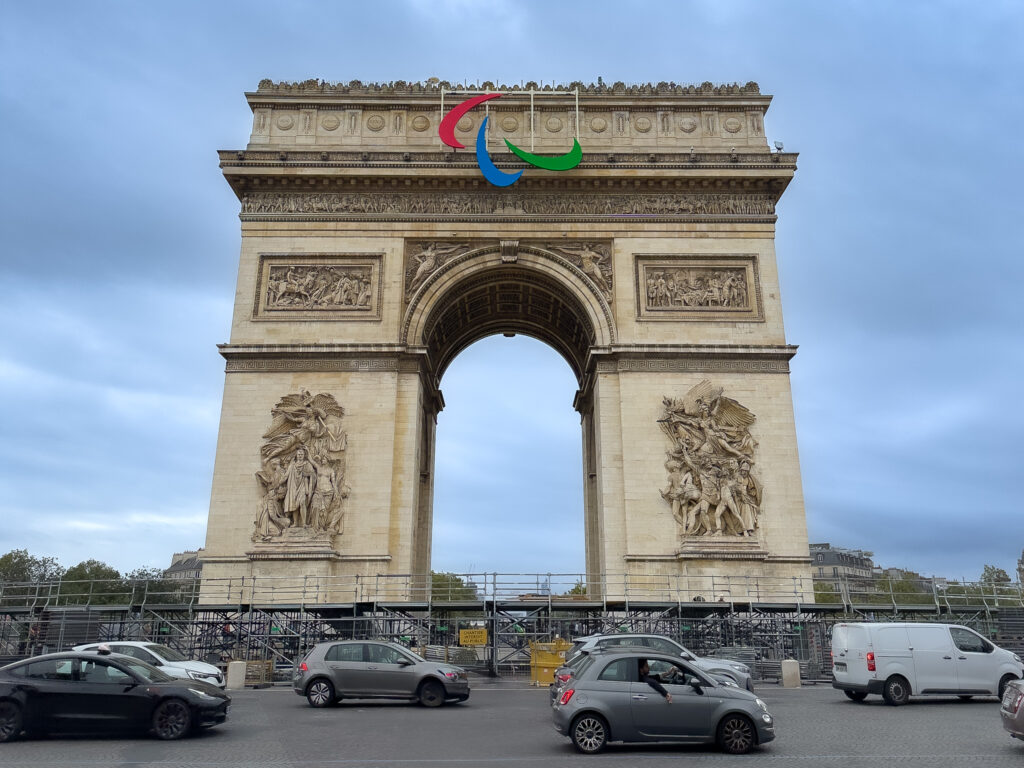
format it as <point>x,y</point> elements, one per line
<point>318,287</point>
<point>451,204</point>
<point>698,287</point>
<point>423,258</point>
<point>712,489</point>
<point>302,474</point>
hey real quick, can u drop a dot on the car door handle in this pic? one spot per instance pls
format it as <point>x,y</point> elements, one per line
<point>639,697</point>
<point>948,657</point>
<point>961,658</point>
<point>371,667</point>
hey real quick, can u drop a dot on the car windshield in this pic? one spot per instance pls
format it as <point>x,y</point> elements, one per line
<point>413,655</point>
<point>165,653</point>
<point>147,672</point>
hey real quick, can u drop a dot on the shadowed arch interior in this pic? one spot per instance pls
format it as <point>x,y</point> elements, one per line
<point>508,300</point>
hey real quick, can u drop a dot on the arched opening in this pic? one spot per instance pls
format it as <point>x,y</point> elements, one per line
<point>508,487</point>
<point>485,294</point>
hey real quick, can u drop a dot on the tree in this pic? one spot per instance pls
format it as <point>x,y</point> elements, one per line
<point>19,565</point>
<point>992,575</point>
<point>579,588</point>
<point>449,586</point>
<point>93,582</point>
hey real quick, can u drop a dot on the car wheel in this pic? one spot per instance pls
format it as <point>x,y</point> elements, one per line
<point>431,694</point>
<point>10,720</point>
<point>896,691</point>
<point>736,735</point>
<point>320,693</point>
<point>855,695</point>
<point>1003,682</point>
<point>589,733</point>
<point>172,719</point>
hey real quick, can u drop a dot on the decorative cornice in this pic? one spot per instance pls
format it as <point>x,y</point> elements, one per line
<point>434,87</point>
<point>691,359</point>
<point>250,358</point>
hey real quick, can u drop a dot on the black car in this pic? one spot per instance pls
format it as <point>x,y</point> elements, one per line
<point>82,692</point>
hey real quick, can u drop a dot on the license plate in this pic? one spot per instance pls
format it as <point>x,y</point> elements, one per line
<point>841,666</point>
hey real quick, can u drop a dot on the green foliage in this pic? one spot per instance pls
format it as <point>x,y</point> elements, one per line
<point>992,575</point>
<point>825,593</point>
<point>95,583</point>
<point>18,565</point>
<point>449,586</point>
<point>579,588</point>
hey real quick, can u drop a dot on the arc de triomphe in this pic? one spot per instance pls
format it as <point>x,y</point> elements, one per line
<point>372,254</point>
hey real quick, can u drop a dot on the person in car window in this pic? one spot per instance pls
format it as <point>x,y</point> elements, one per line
<point>646,677</point>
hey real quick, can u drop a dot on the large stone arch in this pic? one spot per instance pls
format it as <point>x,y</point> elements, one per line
<point>371,256</point>
<point>503,289</point>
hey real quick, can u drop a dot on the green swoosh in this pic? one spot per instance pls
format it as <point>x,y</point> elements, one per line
<point>564,162</point>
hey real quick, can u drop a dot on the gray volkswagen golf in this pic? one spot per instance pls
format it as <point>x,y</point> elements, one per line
<point>367,669</point>
<point>636,697</point>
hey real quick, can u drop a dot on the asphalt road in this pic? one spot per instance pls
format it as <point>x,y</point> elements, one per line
<point>506,725</point>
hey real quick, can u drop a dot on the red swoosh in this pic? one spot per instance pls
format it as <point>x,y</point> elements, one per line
<point>447,128</point>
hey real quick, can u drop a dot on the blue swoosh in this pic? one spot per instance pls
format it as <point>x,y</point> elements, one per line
<point>488,168</point>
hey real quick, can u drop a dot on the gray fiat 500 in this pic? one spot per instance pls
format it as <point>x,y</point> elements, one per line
<point>608,699</point>
<point>365,669</point>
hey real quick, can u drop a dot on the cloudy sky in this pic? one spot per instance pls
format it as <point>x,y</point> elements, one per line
<point>899,250</point>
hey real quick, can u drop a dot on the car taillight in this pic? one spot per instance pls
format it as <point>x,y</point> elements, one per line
<point>871,661</point>
<point>563,677</point>
<point>1015,704</point>
<point>303,667</point>
<point>566,696</point>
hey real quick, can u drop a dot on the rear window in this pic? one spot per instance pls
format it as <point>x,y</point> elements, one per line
<point>847,636</point>
<point>580,666</point>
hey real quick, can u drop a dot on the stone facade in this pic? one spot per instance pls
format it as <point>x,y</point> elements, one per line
<point>372,255</point>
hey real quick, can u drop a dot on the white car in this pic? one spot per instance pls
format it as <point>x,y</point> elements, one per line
<point>167,659</point>
<point>897,660</point>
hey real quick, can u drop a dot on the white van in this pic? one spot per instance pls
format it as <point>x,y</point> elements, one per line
<point>897,660</point>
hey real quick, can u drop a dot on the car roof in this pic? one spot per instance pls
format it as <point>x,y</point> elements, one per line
<point>135,643</point>
<point>86,655</point>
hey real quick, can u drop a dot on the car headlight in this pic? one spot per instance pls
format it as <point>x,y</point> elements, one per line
<point>1016,658</point>
<point>741,668</point>
<point>203,695</point>
<point>202,675</point>
<point>761,704</point>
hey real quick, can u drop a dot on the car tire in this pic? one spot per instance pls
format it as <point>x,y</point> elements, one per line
<point>172,719</point>
<point>1003,682</point>
<point>320,693</point>
<point>736,734</point>
<point>431,693</point>
<point>10,720</point>
<point>896,691</point>
<point>589,733</point>
<point>856,695</point>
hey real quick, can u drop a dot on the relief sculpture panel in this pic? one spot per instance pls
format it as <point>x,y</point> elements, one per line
<point>698,287</point>
<point>320,287</point>
<point>302,475</point>
<point>712,489</point>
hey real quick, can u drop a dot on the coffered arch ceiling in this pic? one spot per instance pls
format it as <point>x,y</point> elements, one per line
<point>508,300</point>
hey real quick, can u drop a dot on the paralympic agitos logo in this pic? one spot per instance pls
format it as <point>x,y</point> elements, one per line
<point>487,167</point>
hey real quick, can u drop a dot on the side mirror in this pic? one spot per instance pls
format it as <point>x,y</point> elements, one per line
<point>697,686</point>
<point>686,655</point>
<point>404,662</point>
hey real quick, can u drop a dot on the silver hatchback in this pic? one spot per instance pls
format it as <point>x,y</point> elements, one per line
<point>366,669</point>
<point>616,697</point>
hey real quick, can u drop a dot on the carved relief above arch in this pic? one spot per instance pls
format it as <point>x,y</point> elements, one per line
<point>508,287</point>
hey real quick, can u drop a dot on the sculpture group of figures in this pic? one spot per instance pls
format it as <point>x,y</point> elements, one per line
<point>711,488</point>
<point>537,204</point>
<point>697,288</point>
<point>318,287</point>
<point>426,258</point>
<point>303,468</point>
